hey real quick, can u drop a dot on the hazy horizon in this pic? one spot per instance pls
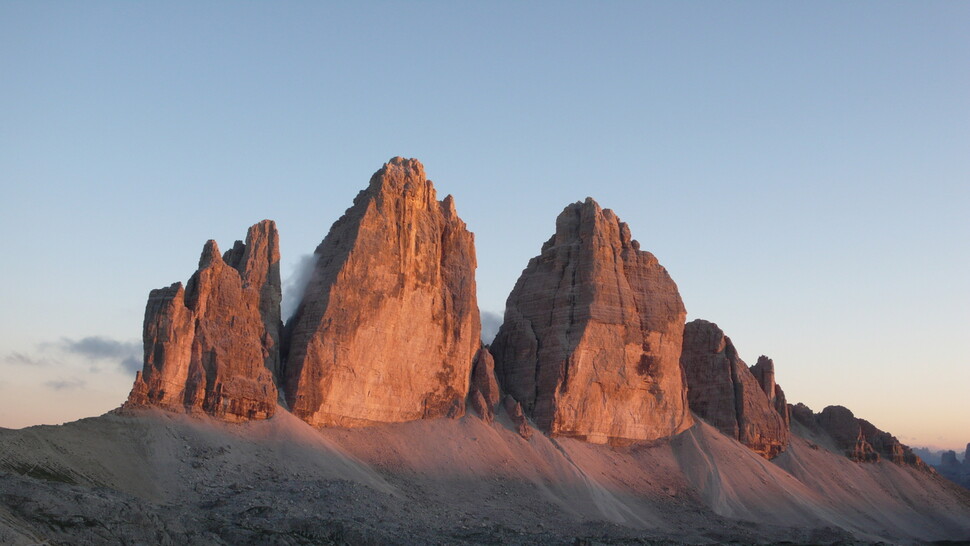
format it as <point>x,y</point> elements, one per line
<point>800,170</point>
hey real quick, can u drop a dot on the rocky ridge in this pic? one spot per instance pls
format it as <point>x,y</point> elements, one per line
<point>740,402</point>
<point>858,439</point>
<point>592,332</point>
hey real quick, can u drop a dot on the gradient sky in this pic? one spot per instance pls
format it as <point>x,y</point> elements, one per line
<point>801,169</point>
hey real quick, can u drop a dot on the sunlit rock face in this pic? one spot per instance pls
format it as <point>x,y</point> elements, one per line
<point>592,335</point>
<point>213,346</point>
<point>723,391</point>
<point>389,325</point>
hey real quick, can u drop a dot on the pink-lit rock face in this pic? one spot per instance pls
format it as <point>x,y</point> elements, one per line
<point>592,335</point>
<point>723,391</point>
<point>389,324</point>
<point>214,345</point>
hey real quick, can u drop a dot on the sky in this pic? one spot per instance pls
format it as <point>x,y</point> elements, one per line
<point>801,169</point>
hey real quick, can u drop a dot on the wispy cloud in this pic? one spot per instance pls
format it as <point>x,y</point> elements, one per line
<point>98,348</point>
<point>100,352</point>
<point>64,384</point>
<point>23,359</point>
<point>491,322</point>
<point>295,284</point>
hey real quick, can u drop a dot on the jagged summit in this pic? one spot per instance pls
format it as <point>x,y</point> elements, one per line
<point>592,334</point>
<point>213,346</point>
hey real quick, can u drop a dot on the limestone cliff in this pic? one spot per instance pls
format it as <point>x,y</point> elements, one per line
<point>592,335</point>
<point>213,346</point>
<point>722,390</point>
<point>389,325</point>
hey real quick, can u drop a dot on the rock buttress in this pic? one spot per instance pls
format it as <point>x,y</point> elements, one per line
<point>723,391</point>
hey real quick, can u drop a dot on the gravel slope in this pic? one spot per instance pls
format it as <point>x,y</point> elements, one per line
<point>153,477</point>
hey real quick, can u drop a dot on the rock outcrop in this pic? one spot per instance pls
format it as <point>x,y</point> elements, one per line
<point>484,391</point>
<point>764,372</point>
<point>389,324</point>
<point>592,334</point>
<point>857,438</point>
<point>213,346</point>
<point>723,391</point>
<point>517,416</point>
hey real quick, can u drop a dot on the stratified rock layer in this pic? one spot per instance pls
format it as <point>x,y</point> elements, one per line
<point>389,323</point>
<point>592,335</point>
<point>722,390</point>
<point>214,345</point>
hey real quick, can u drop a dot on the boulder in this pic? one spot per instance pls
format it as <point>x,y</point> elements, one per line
<point>724,392</point>
<point>388,325</point>
<point>213,346</point>
<point>592,332</point>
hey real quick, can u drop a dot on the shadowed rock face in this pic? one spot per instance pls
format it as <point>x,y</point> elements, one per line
<point>214,345</point>
<point>389,323</point>
<point>862,441</point>
<point>859,439</point>
<point>592,335</point>
<point>764,372</point>
<point>484,391</point>
<point>722,390</point>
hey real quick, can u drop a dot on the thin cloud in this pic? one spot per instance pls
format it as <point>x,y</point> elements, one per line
<point>491,322</point>
<point>132,364</point>
<point>127,355</point>
<point>295,284</point>
<point>99,348</point>
<point>64,384</point>
<point>22,359</point>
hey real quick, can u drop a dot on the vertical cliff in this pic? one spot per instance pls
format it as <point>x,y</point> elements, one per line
<point>213,346</point>
<point>724,392</point>
<point>592,335</point>
<point>388,326</point>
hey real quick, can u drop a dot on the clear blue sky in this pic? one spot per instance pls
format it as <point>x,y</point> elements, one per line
<point>802,169</point>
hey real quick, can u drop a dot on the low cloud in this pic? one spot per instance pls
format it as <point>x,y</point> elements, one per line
<point>491,322</point>
<point>64,384</point>
<point>99,352</point>
<point>99,348</point>
<point>132,364</point>
<point>295,285</point>
<point>22,359</point>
